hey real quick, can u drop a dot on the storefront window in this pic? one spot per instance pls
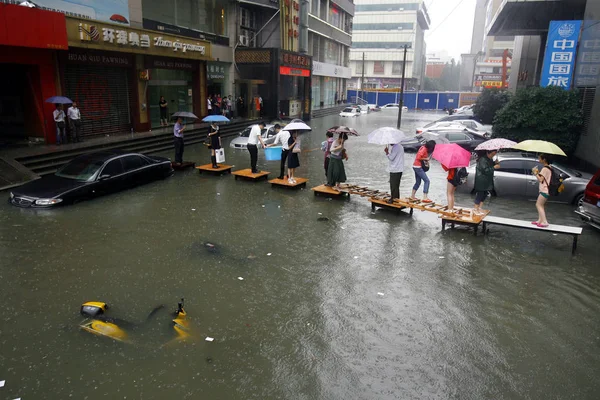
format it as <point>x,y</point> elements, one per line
<point>329,92</point>
<point>316,92</point>
<point>175,86</point>
<point>203,15</point>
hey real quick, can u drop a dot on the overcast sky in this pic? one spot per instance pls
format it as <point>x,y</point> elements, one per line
<point>453,34</point>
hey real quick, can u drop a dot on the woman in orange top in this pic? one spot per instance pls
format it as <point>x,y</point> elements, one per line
<point>422,160</point>
<point>450,187</point>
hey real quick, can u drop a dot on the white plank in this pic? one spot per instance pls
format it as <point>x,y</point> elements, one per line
<point>517,223</point>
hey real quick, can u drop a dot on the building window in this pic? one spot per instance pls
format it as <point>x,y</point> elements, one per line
<point>335,16</point>
<point>359,67</point>
<point>314,7</point>
<point>378,67</point>
<point>247,19</point>
<point>380,45</point>
<point>397,68</point>
<point>332,52</point>
<point>203,15</point>
<point>384,26</point>
<point>348,24</point>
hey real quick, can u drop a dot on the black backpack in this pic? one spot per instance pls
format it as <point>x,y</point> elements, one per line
<point>460,176</point>
<point>555,186</point>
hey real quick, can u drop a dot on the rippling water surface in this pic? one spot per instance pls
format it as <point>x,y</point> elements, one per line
<point>362,306</point>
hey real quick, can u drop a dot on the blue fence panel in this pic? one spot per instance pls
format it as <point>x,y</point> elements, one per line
<point>427,101</point>
<point>371,97</point>
<point>448,100</point>
<point>351,95</point>
<point>410,100</point>
<point>386,97</point>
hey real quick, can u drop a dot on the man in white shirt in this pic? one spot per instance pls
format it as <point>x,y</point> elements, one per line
<point>209,105</point>
<point>59,119</point>
<point>253,139</point>
<point>282,138</point>
<point>395,168</point>
<point>74,122</point>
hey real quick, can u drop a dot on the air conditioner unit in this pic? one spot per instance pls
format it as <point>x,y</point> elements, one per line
<point>244,40</point>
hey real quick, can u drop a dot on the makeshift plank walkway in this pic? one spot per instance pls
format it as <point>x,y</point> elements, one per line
<point>300,182</point>
<point>574,231</point>
<point>248,175</point>
<point>329,191</point>
<point>183,165</point>
<point>466,217</point>
<point>223,168</point>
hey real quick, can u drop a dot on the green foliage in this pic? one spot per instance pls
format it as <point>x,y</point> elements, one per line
<point>549,113</point>
<point>489,102</point>
<point>433,85</point>
<point>450,76</point>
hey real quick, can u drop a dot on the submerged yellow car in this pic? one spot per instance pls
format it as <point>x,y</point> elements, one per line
<point>98,323</point>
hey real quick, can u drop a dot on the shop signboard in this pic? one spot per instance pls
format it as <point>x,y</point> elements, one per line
<point>215,71</point>
<point>332,70</point>
<point>587,72</point>
<point>42,30</point>
<point>182,31</point>
<point>559,59</point>
<point>290,59</point>
<point>79,56</point>
<point>294,71</point>
<point>116,11</point>
<point>110,37</point>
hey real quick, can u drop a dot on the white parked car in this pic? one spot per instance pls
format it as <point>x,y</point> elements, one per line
<point>350,112</point>
<point>463,109</point>
<point>393,106</point>
<point>268,136</point>
<point>469,123</point>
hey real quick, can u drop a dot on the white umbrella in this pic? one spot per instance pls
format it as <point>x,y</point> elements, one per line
<point>297,126</point>
<point>386,135</point>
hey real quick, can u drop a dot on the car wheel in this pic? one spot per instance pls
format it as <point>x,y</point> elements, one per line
<point>578,201</point>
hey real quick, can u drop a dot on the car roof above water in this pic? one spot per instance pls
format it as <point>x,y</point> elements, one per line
<point>104,155</point>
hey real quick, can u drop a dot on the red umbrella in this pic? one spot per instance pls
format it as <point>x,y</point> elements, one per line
<point>119,18</point>
<point>343,129</point>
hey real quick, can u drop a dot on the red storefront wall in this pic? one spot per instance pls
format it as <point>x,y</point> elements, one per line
<point>31,37</point>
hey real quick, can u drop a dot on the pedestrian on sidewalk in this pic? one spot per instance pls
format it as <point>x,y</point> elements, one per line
<point>420,167</point>
<point>326,147</point>
<point>209,103</point>
<point>253,139</point>
<point>281,138</point>
<point>293,159</point>
<point>74,117</point>
<point>215,142</point>
<point>59,119</point>
<point>484,178</point>
<point>544,177</point>
<point>230,107</point>
<point>163,105</point>
<point>178,138</point>
<point>336,173</point>
<point>395,155</point>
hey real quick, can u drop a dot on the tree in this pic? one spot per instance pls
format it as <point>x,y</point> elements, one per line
<point>489,102</point>
<point>450,76</point>
<point>432,84</point>
<point>549,113</point>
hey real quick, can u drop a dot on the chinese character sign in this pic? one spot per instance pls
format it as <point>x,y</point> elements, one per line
<point>561,48</point>
<point>587,70</point>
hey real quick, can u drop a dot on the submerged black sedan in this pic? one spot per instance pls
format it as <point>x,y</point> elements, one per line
<point>91,175</point>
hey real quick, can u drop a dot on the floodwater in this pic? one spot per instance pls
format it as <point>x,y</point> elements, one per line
<point>359,306</point>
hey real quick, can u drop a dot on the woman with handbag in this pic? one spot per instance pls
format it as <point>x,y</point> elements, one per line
<point>215,142</point>
<point>293,160</point>
<point>336,173</point>
<point>421,166</point>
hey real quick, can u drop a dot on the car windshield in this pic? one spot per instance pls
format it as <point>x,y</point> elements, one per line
<point>81,169</point>
<point>348,110</point>
<point>566,169</point>
<point>246,132</point>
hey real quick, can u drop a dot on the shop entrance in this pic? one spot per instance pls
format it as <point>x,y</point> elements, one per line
<point>20,100</point>
<point>175,86</point>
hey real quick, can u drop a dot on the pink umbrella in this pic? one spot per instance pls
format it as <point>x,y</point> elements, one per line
<point>451,155</point>
<point>496,144</point>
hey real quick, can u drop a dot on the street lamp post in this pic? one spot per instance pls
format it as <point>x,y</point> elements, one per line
<point>401,102</point>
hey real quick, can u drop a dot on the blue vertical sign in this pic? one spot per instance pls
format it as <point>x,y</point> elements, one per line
<point>561,47</point>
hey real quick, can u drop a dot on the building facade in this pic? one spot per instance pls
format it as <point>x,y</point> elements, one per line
<point>380,32</point>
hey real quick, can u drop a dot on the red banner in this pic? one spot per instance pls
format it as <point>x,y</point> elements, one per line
<point>28,27</point>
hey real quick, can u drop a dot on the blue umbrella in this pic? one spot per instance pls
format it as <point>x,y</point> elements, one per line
<point>215,118</point>
<point>59,100</point>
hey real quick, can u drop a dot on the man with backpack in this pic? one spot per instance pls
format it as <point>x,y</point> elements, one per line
<point>550,185</point>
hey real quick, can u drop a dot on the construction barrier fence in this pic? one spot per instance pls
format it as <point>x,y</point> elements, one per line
<point>414,100</point>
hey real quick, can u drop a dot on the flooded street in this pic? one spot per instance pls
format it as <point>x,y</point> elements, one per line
<point>358,306</point>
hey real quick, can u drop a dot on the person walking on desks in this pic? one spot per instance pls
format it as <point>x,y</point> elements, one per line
<point>484,178</point>
<point>326,147</point>
<point>281,137</point>
<point>178,138</point>
<point>74,122</point>
<point>395,156</point>
<point>215,142</point>
<point>293,159</point>
<point>336,172</point>
<point>420,167</point>
<point>544,176</point>
<point>253,139</point>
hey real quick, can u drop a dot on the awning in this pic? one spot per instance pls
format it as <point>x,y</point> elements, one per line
<point>532,17</point>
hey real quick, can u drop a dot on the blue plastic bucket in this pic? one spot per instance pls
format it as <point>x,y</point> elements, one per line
<point>273,153</point>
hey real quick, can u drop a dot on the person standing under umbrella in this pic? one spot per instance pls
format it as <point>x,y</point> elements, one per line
<point>253,139</point>
<point>59,118</point>
<point>450,186</point>
<point>336,172</point>
<point>420,167</point>
<point>484,178</point>
<point>178,134</point>
<point>327,148</point>
<point>215,142</point>
<point>395,168</point>
<point>293,159</point>
<point>74,122</point>
<point>282,137</point>
<point>544,176</point>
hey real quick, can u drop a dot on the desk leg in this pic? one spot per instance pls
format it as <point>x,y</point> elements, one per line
<point>484,228</point>
<point>574,244</point>
<point>372,207</point>
<point>443,223</point>
<point>411,211</point>
<point>475,229</point>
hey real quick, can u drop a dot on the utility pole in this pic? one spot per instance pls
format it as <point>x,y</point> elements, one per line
<point>401,102</point>
<point>362,79</point>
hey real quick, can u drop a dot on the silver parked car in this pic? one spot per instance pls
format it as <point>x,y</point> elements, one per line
<point>241,142</point>
<point>514,178</point>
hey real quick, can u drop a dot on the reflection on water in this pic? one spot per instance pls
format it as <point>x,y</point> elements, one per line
<point>348,304</point>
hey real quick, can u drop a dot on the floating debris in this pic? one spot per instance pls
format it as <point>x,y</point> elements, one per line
<point>251,257</point>
<point>322,219</point>
<point>442,257</point>
<point>268,254</point>
<point>380,294</point>
<point>355,257</point>
<point>193,209</point>
<point>209,339</point>
<point>240,278</point>
<point>2,383</point>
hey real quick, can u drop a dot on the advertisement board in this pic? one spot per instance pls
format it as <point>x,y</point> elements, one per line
<point>116,11</point>
<point>561,48</point>
<point>587,72</point>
